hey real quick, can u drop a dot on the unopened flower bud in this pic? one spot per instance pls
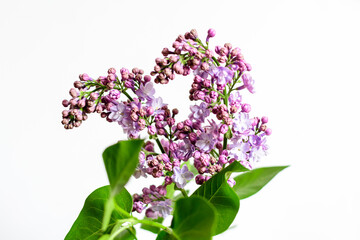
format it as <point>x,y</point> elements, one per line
<point>264,119</point>
<point>245,108</point>
<point>268,131</point>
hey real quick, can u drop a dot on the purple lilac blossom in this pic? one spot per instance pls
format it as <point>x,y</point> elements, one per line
<point>117,112</point>
<point>199,112</point>
<point>242,124</point>
<point>157,104</point>
<point>146,91</point>
<point>181,176</point>
<point>235,98</point>
<point>162,208</point>
<point>222,75</point>
<point>185,150</point>
<point>206,142</point>
<point>249,82</point>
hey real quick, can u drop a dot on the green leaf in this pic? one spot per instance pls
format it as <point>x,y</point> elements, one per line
<point>194,219</point>
<point>88,223</point>
<point>120,161</point>
<point>218,192</point>
<point>165,236</point>
<point>249,183</point>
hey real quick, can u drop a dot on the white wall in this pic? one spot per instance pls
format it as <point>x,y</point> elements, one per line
<point>305,58</point>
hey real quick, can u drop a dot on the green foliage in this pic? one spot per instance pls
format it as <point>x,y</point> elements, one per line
<point>120,162</point>
<point>88,223</point>
<point>120,159</point>
<point>193,219</point>
<point>218,192</point>
<point>249,183</point>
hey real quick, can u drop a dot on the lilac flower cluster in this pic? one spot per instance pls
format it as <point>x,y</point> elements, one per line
<point>217,132</point>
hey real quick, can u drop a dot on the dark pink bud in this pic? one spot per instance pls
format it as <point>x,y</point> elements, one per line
<point>161,131</point>
<point>168,180</point>
<point>73,93</point>
<point>150,213</point>
<point>188,122</point>
<point>165,52</point>
<point>222,159</point>
<point>170,121</point>
<point>199,179</point>
<point>268,131</point>
<point>221,59</point>
<point>263,127</point>
<point>134,117</point>
<point>192,136</point>
<point>264,119</point>
<point>65,103</point>
<point>181,136</point>
<point>223,128</point>
<point>151,130</point>
<point>111,71</point>
<point>228,46</point>
<point>81,103</point>
<point>65,113</point>
<point>211,32</point>
<point>149,111</point>
<point>245,108</point>
<point>217,49</point>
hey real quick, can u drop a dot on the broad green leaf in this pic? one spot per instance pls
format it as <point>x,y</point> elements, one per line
<point>249,183</point>
<point>218,192</point>
<point>165,236</point>
<point>88,224</point>
<point>128,234</point>
<point>105,237</point>
<point>193,219</point>
<point>120,162</point>
<point>152,228</point>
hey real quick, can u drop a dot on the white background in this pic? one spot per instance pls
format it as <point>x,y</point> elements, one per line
<point>305,58</point>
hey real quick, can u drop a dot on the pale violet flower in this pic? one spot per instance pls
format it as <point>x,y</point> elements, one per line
<point>242,124</point>
<point>239,150</point>
<point>222,75</point>
<point>249,82</point>
<point>157,104</point>
<point>146,91</point>
<point>162,208</point>
<point>206,142</point>
<point>181,176</point>
<point>199,112</point>
<point>117,112</point>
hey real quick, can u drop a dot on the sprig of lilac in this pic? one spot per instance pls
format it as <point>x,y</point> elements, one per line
<point>218,131</point>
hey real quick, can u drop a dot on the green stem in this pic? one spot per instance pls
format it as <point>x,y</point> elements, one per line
<point>122,211</point>
<point>184,193</point>
<point>159,144</point>
<point>128,96</point>
<point>216,61</point>
<point>117,232</point>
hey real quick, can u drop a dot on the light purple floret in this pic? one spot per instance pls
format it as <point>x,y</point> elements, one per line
<point>146,91</point>
<point>199,112</point>
<point>206,142</point>
<point>249,82</point>
<point>222,75</point>
<point>162,208</point>
<point>181,176</point>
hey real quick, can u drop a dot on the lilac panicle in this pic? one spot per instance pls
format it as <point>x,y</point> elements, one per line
<point>218,131</point>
